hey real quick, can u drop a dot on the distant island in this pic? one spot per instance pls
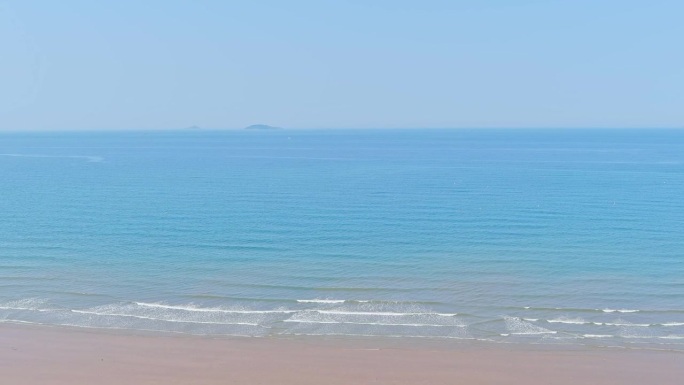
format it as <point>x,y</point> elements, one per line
<point>193,128</point>
<point>262,127</point>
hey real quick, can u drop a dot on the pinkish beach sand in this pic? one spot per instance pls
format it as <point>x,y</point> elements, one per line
<point>34,355</point>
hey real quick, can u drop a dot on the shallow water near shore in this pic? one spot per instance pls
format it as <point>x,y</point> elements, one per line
<point>520,236</point>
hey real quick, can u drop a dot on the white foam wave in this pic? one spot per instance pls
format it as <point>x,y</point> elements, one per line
<point>673,324</point>
<point>517,326</point>
<point>366,323</point>
<point>25,308</point>
<point>380,313</point>
<point>321,301</point>
<point>32,304</point>
<point>567,309</point>
<point>16,321</point>
<point>163,319</point>
<point>326,316</point>
<point>618,310</point>
<point>213,310</point>
<point>622,324</point>
<point>564,320</point>
<point>287,311</point>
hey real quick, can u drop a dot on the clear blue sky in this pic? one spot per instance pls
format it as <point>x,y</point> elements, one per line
<point>74,65</point>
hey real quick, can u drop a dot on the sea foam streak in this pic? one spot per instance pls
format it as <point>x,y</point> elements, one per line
<point>622,324</point>
<point>380,313</point>
<point>213,310</point>
<point>619,311</point>
<point>24,308</point>
<point>321,316</point>
<point>517,326</point>
<point>597,336</point>
<point>163,319</point>
<point>320,300</point>
<point>367,323</point>
<point>564,320</point>
<point>32,304</point>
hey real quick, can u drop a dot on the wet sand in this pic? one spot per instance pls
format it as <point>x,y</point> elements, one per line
<point>32,355</point>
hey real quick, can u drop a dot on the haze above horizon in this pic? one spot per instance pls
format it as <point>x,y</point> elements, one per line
<point>78,65</point>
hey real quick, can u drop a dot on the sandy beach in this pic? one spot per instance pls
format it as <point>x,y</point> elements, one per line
<point>48,355</point>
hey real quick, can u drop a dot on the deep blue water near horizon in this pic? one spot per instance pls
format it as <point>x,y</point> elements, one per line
<point>539,236</point>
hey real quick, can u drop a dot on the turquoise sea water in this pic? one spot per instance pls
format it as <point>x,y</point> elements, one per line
<point>539,236</point>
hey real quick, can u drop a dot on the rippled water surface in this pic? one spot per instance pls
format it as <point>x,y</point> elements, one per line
<point>557,236</point>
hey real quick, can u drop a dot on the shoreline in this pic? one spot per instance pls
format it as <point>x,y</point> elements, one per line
<point>450,343</point>
<point>37,354</point>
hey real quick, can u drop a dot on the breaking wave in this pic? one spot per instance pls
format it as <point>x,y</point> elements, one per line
<point>335,317</point>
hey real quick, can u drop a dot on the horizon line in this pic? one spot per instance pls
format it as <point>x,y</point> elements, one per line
<point>278,129</point>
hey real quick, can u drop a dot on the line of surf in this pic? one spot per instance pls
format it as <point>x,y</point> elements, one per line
<point>26,308</point>
<point>368,323</point>
<point>607,310</point>
<point>163,319</point>
<point>213,310</point>
<point>378,313</point>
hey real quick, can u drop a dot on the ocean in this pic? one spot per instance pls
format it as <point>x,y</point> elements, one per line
<point>495,236</point>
